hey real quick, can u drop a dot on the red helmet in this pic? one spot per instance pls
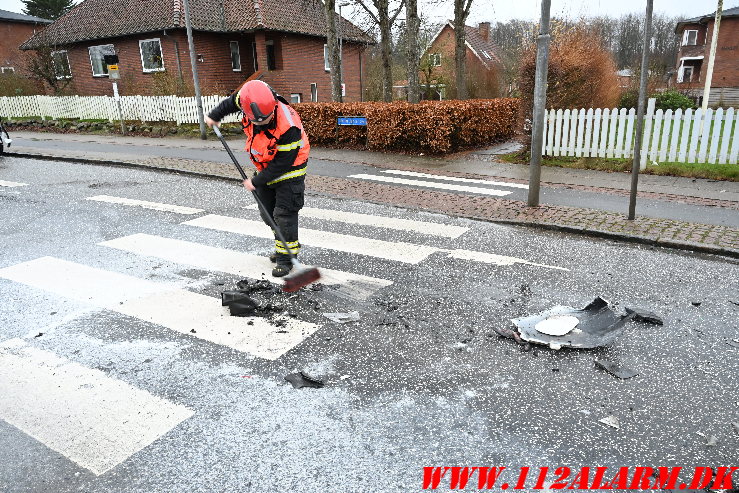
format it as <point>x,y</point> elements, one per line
<point>257,100</point>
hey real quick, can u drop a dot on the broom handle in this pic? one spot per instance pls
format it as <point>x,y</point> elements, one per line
<point>266,214</point>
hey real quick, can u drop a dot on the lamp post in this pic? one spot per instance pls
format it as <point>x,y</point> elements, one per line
<point>341,49</point>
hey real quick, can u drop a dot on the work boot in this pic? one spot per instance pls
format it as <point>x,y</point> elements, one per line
<point>281,270</point>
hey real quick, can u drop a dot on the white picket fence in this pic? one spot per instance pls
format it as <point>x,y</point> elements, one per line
<point>669,136</point>
<point>142,108</point>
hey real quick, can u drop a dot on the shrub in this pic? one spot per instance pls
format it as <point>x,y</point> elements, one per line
<point>430,126</point>
<point>629,99</point>
<point>673,100</point>
<point>16,85</point>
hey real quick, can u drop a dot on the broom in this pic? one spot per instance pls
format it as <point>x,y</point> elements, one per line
<point>301,275</point>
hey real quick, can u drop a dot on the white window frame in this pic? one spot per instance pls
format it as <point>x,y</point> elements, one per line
<point>686,37</point>
<point>69,65</point>
<point>692,71</point>
<point>231,45</point>
<point>296,97</point>
<point>313,92</point>
<point>89,51</point>
<point>141,52</point>
<point>435,59</point>
<point>7,70</point>
<point>326,61</point>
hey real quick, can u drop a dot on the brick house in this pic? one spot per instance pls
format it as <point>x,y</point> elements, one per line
<point>692,59</point>
<point>14,30</point>
<point>482,62</point>
<point>282,42</point>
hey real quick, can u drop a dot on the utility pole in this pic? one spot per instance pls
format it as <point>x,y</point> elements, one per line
<point>193,63</point>
<point>712,56</point>
<point>540,103</point>
<point>640,109</point>
<point>340,29</point>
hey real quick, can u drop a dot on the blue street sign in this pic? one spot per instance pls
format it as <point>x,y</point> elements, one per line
<point>352,120</point>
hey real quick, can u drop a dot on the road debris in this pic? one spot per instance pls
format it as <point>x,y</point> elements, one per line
<point>735,424</point>
<point>241,302</point>
<point>598,325</point>
<point>343,318</point>
<point>557,325</point>
<point>641,315</point>
<point>611,421</point>
<point>38,335</point>
<point>711,440</point>
<point>615,369</point>
<point>300,380</point>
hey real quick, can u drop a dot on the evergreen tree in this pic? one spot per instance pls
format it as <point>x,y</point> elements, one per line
<point>47,9</point>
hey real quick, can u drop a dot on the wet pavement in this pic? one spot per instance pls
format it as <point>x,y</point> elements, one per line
<point>422,379</point>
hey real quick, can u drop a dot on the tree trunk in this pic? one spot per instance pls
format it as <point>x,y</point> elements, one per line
<point>460,51</point>
<point>412,23</point>
<point>333,50</point>
<point>385,39</point>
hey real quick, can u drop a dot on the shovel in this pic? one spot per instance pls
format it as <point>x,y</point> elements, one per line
<point>301,275</point>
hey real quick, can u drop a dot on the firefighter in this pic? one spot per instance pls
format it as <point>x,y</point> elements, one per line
<point>278,147</point>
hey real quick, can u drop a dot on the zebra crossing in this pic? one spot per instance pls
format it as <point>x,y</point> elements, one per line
<point>105,420</point>
<point>12,184</point>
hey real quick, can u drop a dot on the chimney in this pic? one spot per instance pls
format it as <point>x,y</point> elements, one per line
<point>484,30</point>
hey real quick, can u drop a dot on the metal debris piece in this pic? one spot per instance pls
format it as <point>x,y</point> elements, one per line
<point>615,369</point>
<point>598,326</point>
<point>557,325</point>
<point>300,380</point>
<point>641,315</point>
<point>343,318</point>
<point>611,421</point>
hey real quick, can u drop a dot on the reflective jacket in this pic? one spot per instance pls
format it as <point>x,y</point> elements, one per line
<point>263,145</point>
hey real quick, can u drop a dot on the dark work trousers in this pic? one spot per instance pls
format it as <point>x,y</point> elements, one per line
<point>283,201</point>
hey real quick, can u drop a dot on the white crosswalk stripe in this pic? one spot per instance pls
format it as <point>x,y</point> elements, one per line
<point>179,310</point>
<point>416,174</point>
<point>431,184</point>
<point>93,419</point>
<point>398,251</point>
<point>230,261</point>
<point>146,205</point>
<point>12,184</point>
<point>422,227</point>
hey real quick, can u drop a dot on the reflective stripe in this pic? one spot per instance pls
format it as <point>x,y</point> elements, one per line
<point>254,151</point>
<point>294,247</point>
<point>288,175</point>
<point>290,146</point>
<point>289,117</point>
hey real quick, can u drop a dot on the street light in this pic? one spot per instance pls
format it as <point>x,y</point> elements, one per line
<point>341,50</point>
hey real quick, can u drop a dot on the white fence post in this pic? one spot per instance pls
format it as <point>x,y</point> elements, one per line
<point>648,118</point>
<point>725,135</point>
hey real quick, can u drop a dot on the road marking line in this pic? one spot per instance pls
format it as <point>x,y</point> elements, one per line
<point>146,205</point>
<point>455,178</point>
<point>4,183</point>
<point>398,251</point>
<point>423,227</point>
<point>94,420</point>
<point>223,260</point>
<point>492,258</point>
<point>429,184</point>
<point>180,310</point>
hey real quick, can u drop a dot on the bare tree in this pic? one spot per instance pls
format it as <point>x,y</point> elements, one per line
<point>50,66</point>
<point>381,14</point>
<point>333,50</point>
<point>461,11</point>
<point>412,25</point>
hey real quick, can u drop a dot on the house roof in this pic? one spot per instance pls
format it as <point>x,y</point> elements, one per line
<point>702,19</point>
<point>6,15</point>
<point>483,49</point>
<point>97,19</point>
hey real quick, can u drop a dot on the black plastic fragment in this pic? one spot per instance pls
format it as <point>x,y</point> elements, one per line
<point>300,380</point>
<point>239,303</point>
<point>615,369</point>
<point>641,315</point>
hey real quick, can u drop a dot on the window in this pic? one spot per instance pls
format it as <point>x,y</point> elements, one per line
<point>687,74</point>
<point>254,56</point>
<point>435,59</point>
<point>235,56</point>
<point>97,59</point>
<point>271,58</point>
<point>7,70</point>
<point>151,55</point>
<point>326,62</point>
<point>690,37</point>
<point>314,92</point>
<point>60,60</point>
<point>296,98</point>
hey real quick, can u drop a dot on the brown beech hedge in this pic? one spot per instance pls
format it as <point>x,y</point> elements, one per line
<point>431,126</point>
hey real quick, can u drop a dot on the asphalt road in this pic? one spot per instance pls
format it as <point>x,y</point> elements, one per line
<point>116,374</point>
<point>348,165</point>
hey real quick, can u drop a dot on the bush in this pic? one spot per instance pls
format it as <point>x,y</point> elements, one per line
<point>673,100</point>
<point>629,99</point>
<point>430,126</point>
<point>16,85</point>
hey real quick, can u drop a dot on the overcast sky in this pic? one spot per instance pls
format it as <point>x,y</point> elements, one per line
<point>503,10</point>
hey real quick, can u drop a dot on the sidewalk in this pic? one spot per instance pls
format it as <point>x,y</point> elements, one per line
<point>194,157</point>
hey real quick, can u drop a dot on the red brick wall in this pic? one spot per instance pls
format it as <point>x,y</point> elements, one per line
<point>299,63</point>
<point>13,34</point>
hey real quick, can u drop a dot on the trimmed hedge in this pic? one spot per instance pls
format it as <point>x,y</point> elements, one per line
<point>430,126</point>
